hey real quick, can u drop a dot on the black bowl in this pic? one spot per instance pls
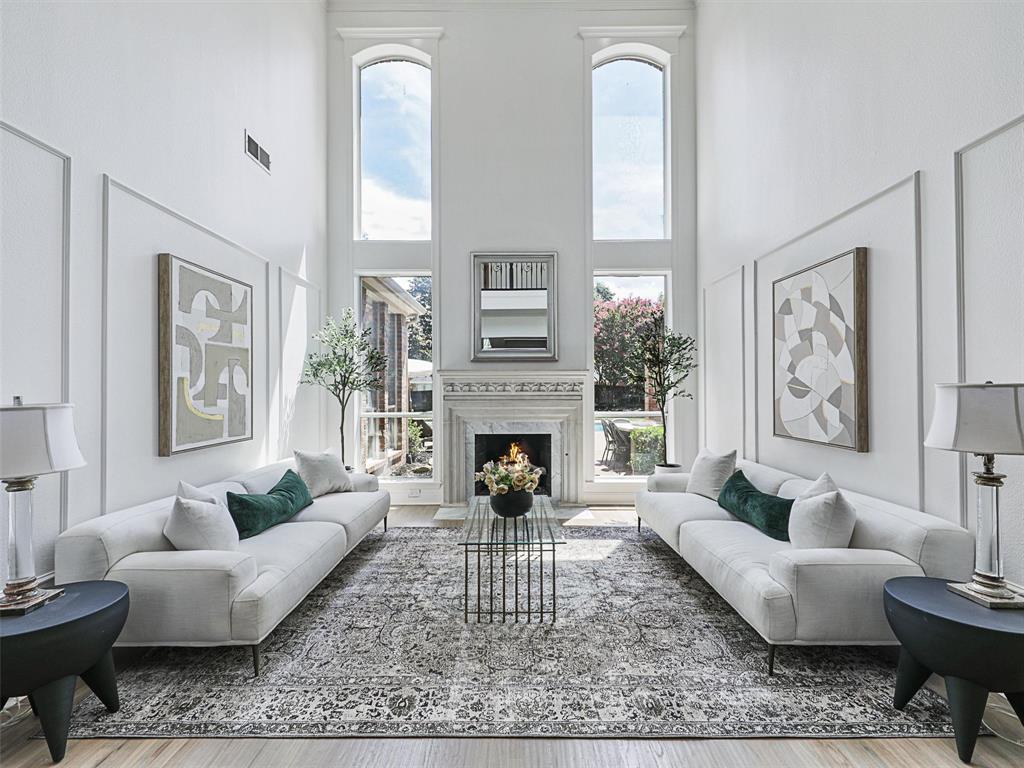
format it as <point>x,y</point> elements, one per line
<point>512,504</point>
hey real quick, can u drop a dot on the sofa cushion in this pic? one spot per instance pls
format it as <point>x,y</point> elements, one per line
<point>768,513</point>
<point>709,473</point>
<point>666,512</point>
<point>291,559</point>
<point>358,513</point>
<point>263,479</point>
<point>733,558</point>
<point>219,491</point>
<point>255,513</point>
<point>766,479</point>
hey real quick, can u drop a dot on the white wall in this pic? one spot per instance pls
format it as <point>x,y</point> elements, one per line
<point>157,95</point>
<point>511,164</point>
<point>806,110</point>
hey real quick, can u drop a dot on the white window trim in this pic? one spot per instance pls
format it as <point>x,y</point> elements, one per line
<point>594,485</point>
<point>367,57</point>
<point>608,257</point>
<point>431,485</point>
<point>662,59</point>
<point>358,258</point>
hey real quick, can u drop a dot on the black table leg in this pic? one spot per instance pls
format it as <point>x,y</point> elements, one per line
<point>53,702</point>
<point>103,682</point>
<point>1017,702</point>
<point>967,705</point>
<point>910,676</point>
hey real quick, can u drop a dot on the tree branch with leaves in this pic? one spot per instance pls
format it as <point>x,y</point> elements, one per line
<point>346,363</point>
<point>660,361</point>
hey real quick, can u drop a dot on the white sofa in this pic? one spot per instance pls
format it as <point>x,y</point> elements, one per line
<point>804,596</point>
<point>213,597</point>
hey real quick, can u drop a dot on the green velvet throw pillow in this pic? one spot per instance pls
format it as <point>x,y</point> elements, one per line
<point>255,513</point>
<point>767,513</point>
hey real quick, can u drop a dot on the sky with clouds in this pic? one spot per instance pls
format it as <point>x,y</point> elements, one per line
<point>629,151</point>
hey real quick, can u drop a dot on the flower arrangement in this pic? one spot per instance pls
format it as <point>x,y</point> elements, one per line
<point>512,472</point>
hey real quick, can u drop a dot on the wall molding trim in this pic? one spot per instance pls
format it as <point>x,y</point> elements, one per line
<point>961,297</point>
<point>638,32</point>
<point>110,183</point>
<point>914,180</point>
<point>390,33</point>
<point>351,6</point>
<point>742,270</point>
<point>65,288</point>
<point>282,274</point>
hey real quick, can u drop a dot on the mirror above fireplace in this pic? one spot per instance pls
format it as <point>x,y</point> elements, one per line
<point>514,306</point>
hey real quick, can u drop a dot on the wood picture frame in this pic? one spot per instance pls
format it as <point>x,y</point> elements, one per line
<point>205,329</point>
<point>820,353</point>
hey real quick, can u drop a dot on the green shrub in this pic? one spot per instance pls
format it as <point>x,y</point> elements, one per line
<point>645,449</point>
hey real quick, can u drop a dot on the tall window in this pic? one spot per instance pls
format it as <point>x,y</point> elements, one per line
<point>396,424</point>
<point>394,151</point>
<point>627,425</point>
<point>629,150</point>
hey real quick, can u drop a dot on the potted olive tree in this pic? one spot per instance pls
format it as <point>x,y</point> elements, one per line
<point>660,362</point>
<point>346,363</point>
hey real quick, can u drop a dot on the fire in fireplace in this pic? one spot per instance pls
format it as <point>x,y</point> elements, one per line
<point>494,447</point>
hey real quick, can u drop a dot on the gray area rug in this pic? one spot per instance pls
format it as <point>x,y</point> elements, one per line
<point>642,647</point>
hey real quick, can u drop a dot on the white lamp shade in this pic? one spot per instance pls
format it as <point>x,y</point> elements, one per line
<point>978,418</point>
<point>37,440</point>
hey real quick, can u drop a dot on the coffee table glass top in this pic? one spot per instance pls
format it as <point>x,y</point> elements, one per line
<point>483,528</point>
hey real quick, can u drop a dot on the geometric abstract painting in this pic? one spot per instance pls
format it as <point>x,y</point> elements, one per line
<point>820,352</point>
<point>205,353</point>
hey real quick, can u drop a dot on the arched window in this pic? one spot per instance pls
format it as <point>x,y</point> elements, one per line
<point>394,151</point>
<point>629,180</point>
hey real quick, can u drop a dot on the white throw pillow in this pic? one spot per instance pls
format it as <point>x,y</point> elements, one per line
<point>322,473</point>
<point>200,523</point>
<point>186,491</point>
<point>821,517</point>
<point>709,473</point>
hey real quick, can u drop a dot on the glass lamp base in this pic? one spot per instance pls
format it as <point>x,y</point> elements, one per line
<point>991,596</point>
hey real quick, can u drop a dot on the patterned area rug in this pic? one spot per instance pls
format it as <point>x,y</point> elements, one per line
<point>642,647</point>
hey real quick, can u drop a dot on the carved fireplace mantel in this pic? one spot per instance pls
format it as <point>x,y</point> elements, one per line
<point>494,402</point>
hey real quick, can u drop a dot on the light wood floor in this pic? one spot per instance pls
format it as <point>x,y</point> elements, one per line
<point>19,750</point>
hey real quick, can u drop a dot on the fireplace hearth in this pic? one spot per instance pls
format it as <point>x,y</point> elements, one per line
<point>491,447</point>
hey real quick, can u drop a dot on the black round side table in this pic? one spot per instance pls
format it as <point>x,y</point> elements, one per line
<point>43,653</point>
<point>976,649</point>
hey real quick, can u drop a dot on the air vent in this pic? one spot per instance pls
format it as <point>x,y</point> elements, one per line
<point>256,152</point>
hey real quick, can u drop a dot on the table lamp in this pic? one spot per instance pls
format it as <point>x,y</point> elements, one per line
<point>34,440</point>
<point>983,419</point>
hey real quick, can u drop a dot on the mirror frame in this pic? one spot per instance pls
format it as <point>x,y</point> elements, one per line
<point>550,353</point>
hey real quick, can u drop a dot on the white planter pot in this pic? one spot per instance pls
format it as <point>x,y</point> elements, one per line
<point>668,469</point>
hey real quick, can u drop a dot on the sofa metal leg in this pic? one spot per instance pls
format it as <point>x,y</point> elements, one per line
<point>771,659</point>
<point>638,523</point>
<point>256,660</point>
<point>385,523</point>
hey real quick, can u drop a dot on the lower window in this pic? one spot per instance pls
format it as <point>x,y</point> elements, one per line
<point>628,430</point>
<point>396,421</point>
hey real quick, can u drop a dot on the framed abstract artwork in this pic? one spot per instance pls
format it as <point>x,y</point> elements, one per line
<point>820,353</point>
<point>205,357</point>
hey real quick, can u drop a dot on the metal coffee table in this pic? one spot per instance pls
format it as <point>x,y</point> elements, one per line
<point>511,561</point>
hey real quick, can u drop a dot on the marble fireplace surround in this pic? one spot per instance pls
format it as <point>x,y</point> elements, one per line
<point>495,402</point>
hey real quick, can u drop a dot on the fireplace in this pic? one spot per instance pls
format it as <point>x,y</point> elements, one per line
<point>491,447</point>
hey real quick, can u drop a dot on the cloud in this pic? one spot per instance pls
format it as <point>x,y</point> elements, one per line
<point>388,215</point>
